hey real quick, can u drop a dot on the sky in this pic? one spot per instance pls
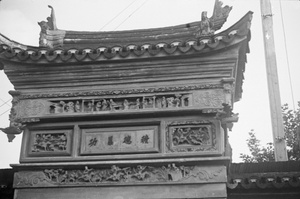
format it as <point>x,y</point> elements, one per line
<point>18,21</point>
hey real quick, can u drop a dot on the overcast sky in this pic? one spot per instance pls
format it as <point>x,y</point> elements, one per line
<point>18,21</point>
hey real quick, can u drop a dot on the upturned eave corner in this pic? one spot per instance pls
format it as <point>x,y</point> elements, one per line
<point>62,46</point>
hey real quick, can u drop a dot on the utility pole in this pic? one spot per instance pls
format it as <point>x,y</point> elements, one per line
<point>273,84</point>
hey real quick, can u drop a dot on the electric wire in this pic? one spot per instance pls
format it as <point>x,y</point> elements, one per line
<point>5,102</point>
<point>287,57</point>
<point>4,112</point>
<point>118,14</point>
<point>130,15</point>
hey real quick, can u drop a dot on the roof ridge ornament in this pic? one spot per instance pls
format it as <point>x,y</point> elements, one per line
<point>208,26</point>
<point>46,27</point>
<point>51,21</point>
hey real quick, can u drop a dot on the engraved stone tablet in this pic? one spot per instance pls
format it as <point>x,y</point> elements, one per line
<point>119,140</point>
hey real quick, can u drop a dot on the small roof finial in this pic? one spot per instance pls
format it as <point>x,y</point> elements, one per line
<point>52,20</point>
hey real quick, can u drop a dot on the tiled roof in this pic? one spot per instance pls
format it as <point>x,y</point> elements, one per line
<point>267,175</point>
<point>156,43</point>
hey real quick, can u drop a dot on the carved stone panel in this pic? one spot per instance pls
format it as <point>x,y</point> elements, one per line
<point>27,110</point>
<point>50,143</point>
<point>191,136</point>
<point>119,140</point>
<point>100,105</point>
<point>209,98</point>
<point>131,175</point>
<point>31,108</point>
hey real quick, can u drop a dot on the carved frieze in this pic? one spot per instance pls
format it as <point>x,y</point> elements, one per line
<point>119,140</point>
<point>191,136</point>
<point>50,143</point>
<point>120,104</point>
<point>30,110</point>
<point>116,175</point>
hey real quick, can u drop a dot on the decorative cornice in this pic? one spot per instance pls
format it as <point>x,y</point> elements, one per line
<point>120,92</point>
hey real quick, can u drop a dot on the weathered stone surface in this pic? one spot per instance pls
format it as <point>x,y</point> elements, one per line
<point>116,176</point>
<point>216,190</point>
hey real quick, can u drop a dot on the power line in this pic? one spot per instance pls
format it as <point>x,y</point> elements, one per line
<point>287,57</point>
<point>5,102</point>
<point>4,112</point>
<point>130,15</point>
<point>118,14</point>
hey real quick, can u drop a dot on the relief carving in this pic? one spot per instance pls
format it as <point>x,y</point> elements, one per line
<point>191,136</point>
<point>31,108</point>
<point>209,98</point>
<point>120,104</point>
<point>49,142</point>
<point>208,26</point>
<point>120,175</point>
<point>16,125</point>
<point>26,109</point>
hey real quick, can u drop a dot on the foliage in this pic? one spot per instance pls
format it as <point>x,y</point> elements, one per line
<point>291,122</point>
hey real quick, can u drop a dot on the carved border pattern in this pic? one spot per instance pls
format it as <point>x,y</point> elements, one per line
<point>121,92</point>
<point>170,149</point>
<point>117,175</point>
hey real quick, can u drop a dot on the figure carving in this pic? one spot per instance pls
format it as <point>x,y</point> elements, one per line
<point>98,106</point>
<point>170,101</point>
<point>120,104</point>
<point>164,102</point>
<point>45,26</point>
<point>70,107</point>
<point>77,107</point>
<point>49,142</point>
<point>105,105</point>
<point>126,104</point>
<point>138,103</point>
<point>191,136</point>
<point>208,26</point>
<point>177,101</point>
<point>113,106</point>
<point>89,107</point>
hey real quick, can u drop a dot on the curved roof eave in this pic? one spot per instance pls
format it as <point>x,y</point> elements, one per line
<point>161,47</point>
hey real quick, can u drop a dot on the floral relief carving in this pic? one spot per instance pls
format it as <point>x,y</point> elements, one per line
<point>120,175</point>
<point>29,178</point>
